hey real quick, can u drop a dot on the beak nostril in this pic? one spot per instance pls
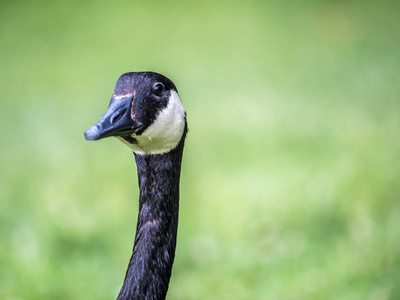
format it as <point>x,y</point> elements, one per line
<point>115,121</point>
<point>115,118</point>
<point>118,114</point>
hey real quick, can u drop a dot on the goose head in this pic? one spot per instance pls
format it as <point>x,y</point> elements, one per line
<point>145,113</point>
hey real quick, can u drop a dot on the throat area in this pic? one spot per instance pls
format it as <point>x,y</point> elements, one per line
<point>150,266</point>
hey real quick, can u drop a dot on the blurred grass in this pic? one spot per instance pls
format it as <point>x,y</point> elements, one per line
<point>290,184</point>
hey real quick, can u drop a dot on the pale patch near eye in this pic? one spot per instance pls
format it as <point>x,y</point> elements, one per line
<point>165,132</point>
<point>119,97</point>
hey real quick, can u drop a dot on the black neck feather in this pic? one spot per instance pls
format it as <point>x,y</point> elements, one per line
<point>150,266</point>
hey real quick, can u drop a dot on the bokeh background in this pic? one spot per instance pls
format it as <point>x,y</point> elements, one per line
<point>291,178</point>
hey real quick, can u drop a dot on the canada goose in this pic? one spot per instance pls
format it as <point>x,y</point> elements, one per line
<point>146,114</point>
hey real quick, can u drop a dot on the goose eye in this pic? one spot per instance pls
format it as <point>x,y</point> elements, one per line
<point>158,89</point>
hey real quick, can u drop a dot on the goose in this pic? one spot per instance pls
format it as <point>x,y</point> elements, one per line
<point>146,114</point>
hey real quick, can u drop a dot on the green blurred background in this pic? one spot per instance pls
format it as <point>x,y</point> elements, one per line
<point>291,177</point>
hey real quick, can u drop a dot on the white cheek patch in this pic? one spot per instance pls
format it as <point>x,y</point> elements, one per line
<point>165,132</point>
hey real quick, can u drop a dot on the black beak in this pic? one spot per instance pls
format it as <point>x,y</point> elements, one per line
<point>116,121</point>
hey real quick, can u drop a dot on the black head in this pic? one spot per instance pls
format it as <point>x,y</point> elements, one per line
<point>145,112</point>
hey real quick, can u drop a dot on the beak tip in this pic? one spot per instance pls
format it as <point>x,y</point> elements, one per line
<point>93,133</point>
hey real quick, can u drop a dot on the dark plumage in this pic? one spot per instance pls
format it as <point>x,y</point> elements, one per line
<point>146,113</point>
